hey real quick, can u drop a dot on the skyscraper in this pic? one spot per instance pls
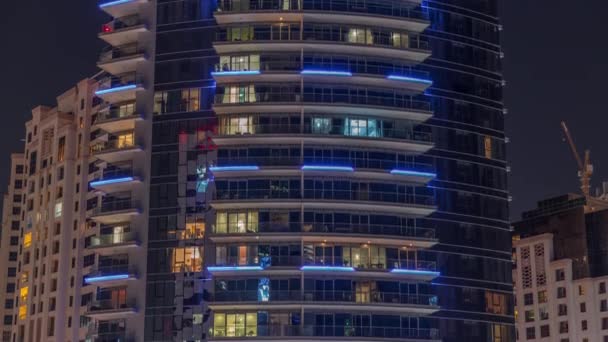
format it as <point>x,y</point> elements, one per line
<point>295,169</point>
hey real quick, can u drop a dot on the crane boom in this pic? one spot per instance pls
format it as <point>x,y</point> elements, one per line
<point>573,147</point>
<point>585,169</point>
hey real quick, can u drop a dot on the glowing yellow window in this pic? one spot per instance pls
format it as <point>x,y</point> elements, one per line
<point>125,140</point>
<point>22,312</point>
<point>23,294</point>
<point>27,239</point>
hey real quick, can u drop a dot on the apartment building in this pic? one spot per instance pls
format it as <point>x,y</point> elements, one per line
<point>274,170</point>
<point>560,272</point>
<point>9,243</point>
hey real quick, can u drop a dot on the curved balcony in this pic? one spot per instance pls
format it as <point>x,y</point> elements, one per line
<point>421,172</point>
<point>406,83</point>
<point>111,243</point>
<point>117,119</point>
<point>327,332</point>
<point>122,59</point>
<point>116,181</point>
<point>120,88</point>
<point>116,211</point>
<point>122,31</point>
<point>111,309</point>
<point>111,275</point>
<point>389,106</point>
<point>121,8</point>
<point>417,270</point>
<point>406,139</point>
<point>381,201</point>
<point>394,14</point>
<point>396,236</point>
<point>349,40</point>
<point>334,301</point>
<point>116,150</point>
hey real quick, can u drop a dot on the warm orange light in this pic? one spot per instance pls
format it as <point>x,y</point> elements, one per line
<point>27,240</point>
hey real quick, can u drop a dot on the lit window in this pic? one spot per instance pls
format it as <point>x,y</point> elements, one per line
<point>487,143</point>
<point>362,128</point>
<point>194,230</point>
<point>321,125</point>
<point>58,209</point>
<point>23,292</point>
<point>27,240</point>
<point>235,325</point>
<point>237,222</point>
<point>238,125</point>
<point>22,312</point>
<point>125,140</point>
<point>187,260</point>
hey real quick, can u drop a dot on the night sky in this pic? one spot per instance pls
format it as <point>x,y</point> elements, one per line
<point>556,68</point>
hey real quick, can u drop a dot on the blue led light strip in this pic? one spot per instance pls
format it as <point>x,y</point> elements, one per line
<point>409,79</point>
<point>112,3</point>
<point>327,268</point>
<point>235,73</point>
<point>412,173</point>
<point>112,181</point>
<point>90,280</point>
<point>415,272</point>
<point>234,168</point>
<point>117,89</point>
<point>233,268</point>
<point>327,168</point>
<point>326,72</point>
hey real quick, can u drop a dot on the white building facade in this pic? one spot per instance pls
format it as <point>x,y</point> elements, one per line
<point>550,304</point>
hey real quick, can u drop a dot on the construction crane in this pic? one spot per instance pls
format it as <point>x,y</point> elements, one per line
<point>585,169</point>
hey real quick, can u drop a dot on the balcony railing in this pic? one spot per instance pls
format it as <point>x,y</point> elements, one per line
<point>294,65</point>
<point>359,35</point>
<point>329,331</point>
<point>412,134</point>
<point>112,53</point>
<point>330,97</point>
<point>122,23</point>
<point>111,82</point>
<point>116,206</point>
<point>110,305</point>
<point>359,297</point>
<point>329,228</point>
<point>113,239</point>
<point>374,7</point>
<point>296,261</point>
<point>113,145</point>
<point>329,195</point>
<point>357,163</point>
<point>274,261</point>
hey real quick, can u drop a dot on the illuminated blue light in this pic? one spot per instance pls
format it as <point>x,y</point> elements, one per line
<point>327,168</point>
<point>413,173</point>
<point>233,268</point>
<point>116,89</point>
<point>112,181</point>
<point>326,72</point>
<point>112,3</point>
<point>234,168</point>
<point>415,272</point>
<point>235,73</point>
<point>90,280</point>
<point>409,79</point>
<point>327,268</point>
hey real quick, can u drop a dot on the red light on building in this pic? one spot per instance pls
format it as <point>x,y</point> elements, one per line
<point>106,28</point>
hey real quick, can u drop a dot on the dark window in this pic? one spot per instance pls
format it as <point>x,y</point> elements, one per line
<point>19,169</point>
<point>544,331</point>
<point>89,260</point>
<point>560,275</point>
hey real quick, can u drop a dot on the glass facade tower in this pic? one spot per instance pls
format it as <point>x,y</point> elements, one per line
<point>291,170</point>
